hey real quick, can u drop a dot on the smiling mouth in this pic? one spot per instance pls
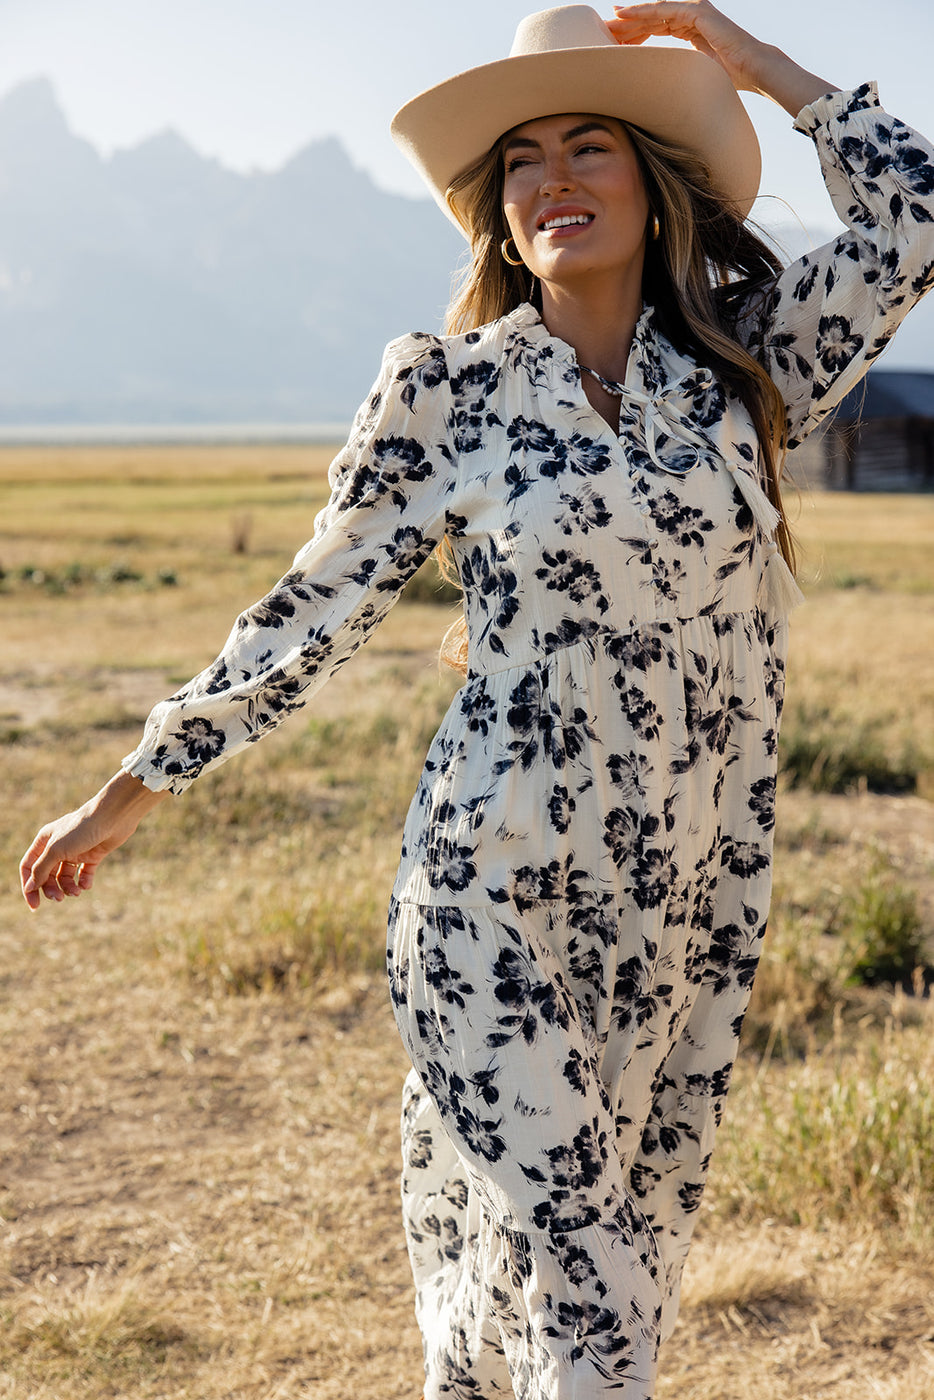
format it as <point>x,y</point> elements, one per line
<point>564,220</point>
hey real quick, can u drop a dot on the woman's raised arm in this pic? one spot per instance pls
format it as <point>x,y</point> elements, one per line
<point>830,314</point>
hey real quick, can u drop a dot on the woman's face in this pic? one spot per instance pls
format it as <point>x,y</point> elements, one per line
<point>574,198</point>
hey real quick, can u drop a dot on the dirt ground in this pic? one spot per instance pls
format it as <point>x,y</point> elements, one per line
<point>199,1199</point>
<point>199,1191</point>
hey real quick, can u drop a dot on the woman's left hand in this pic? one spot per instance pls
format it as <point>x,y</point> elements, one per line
<point>751,65</point>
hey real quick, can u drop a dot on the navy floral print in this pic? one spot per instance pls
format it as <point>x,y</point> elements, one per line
<point>585,872</point>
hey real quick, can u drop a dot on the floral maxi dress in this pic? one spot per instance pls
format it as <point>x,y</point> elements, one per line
<point>585,869</point>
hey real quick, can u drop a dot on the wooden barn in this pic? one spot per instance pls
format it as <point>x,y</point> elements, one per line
<point>881,438</point>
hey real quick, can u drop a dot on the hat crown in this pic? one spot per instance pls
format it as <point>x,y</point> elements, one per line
<point>566,59</point>
<point>565,27</point>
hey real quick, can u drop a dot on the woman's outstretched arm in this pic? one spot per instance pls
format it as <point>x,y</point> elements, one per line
<point>64,856</point>
<point>750,65</point>
<point>391,487</point>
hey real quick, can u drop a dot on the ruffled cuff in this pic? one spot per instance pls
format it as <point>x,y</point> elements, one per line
<point>836,107</point>
<point>139,765</point>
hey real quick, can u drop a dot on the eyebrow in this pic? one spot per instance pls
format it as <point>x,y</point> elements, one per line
<point>575,131</point>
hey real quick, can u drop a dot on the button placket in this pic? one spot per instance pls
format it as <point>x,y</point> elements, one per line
<point>641,489</point>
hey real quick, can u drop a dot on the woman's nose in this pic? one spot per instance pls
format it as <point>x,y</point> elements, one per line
<point>556,177</point>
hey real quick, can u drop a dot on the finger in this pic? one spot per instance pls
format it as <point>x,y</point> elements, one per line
<point>50,874</point>
<point>47,867</point>
<point>687,11</point>
<point>50,888</point>
<point>666,16</point>
<point>29,860</point>
<point>32,887</point>
<point>636,23</point>
<point>623,34</point>
<point>653,15</point>
<point>635,30</point>
<point>689,20</point>
<point>68,878</point>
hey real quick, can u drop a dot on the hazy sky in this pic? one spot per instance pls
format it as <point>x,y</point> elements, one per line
<point>251,81</point>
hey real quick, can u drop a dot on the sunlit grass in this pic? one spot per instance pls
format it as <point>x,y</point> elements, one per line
<point>864,539</point>
<point>847,1133</point>
<point>200,1073</point>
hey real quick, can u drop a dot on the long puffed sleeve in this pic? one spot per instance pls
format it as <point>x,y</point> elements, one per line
<point>391,491</point>
<point>830,314</point>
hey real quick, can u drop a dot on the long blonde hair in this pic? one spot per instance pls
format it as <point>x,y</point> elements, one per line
<point>699,275</point>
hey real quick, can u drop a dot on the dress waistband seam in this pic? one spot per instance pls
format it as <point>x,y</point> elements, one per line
<point>600,637</point>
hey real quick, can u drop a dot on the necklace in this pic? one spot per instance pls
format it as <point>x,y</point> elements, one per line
<point>610,385</point>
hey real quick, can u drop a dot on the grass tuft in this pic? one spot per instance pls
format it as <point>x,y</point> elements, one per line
<point>108,1335</point>
<point>797,990</point>
<point>284,947</point>
<point>827,750</point>
<point>883,932</point>
<point>845,1134</point>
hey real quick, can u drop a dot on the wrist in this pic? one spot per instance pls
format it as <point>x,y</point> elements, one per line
<point>129,796</point>
<point>785,82</point>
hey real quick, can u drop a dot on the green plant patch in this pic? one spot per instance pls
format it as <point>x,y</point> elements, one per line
<point>829,751</point>
<point>840,1135</point>
<point>77,578</point>
<point>882,932</point>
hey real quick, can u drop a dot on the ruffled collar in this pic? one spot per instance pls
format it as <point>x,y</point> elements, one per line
<point>655,370</point>
<point>666,393</point>
<point>653,361</point>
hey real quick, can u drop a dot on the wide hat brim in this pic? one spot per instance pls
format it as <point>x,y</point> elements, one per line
<point>679,95</point>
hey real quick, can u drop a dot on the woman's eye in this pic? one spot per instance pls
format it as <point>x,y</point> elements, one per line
<point>514,163</point>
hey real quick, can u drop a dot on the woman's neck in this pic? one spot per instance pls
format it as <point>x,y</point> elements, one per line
<point>598,322</point>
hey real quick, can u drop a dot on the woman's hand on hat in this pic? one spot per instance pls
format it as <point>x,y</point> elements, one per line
<point>65,854</point>
<point>751,65</point>
<point>698,23</point>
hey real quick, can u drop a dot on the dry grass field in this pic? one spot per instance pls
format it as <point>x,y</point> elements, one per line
<point>199,1075</point>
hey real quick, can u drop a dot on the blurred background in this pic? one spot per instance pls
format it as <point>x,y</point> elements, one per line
<point>204,221</point>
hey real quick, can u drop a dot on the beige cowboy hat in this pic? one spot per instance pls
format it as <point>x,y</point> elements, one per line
<point>566,60</point>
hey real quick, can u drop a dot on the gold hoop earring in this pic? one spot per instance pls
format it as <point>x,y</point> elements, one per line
<point>504,249</point>
<point>656,228</point>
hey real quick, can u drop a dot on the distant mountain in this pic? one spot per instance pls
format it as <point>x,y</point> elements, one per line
<point>157,286</point>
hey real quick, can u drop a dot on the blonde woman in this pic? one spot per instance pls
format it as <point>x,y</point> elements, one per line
<point>597,445</point>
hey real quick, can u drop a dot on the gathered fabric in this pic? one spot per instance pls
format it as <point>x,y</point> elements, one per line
<point>585,872</point>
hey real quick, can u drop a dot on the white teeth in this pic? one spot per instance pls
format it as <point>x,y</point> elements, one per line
<point>566,219</point>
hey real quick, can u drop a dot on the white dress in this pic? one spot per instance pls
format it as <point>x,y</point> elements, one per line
<point>585,873</point>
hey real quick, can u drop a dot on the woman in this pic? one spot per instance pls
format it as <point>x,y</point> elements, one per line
<point>585,869</point>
